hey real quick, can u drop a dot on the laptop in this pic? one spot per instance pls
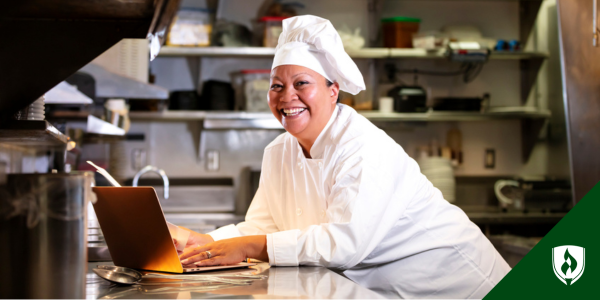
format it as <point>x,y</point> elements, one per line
<point>136,232</point>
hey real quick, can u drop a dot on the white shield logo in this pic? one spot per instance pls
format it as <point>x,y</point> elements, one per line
<point>568,263</point>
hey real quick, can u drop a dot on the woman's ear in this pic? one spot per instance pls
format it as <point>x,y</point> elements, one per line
<point>335,91</point>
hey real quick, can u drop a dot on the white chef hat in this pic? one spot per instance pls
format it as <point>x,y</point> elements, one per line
<point>313,42</point>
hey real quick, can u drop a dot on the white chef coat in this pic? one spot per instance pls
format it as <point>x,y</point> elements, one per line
<point>361,201</point>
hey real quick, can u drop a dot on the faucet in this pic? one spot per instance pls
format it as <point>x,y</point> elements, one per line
<point>156,170</point>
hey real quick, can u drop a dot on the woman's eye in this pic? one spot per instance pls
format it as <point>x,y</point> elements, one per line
<point>299,83</point>
<point>276,86</point>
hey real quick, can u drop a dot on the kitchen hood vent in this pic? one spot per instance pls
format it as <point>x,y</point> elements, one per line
<point>112,85</point>
<point>45,41</point>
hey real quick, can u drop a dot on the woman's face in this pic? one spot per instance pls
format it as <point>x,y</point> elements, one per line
<point>301,100</point>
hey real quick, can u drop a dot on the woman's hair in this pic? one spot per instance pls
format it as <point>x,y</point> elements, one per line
<point>328,83</point>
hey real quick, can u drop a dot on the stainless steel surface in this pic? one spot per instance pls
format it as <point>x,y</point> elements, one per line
<point>98,253</point>
<point>259,281</point>
<point>357,53</point>
<point>242,123</point>
<point>513,248</point>
<point>198,199</point>
<point>43,235</point>
<point>581,93</point>
<point>119,275</point>
<point>112,85</point>
<point>236,120</point>
<point>158,171</point>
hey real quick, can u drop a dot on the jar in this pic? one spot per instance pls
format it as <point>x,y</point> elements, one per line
<point>273,28</point>
<point>251,89</point>
<point>398,31</point>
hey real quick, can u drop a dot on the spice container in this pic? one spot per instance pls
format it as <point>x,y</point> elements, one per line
<point>273,28</point>
<point>398,31</point>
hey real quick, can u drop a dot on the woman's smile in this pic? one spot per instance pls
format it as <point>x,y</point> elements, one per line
<point>293,112</point>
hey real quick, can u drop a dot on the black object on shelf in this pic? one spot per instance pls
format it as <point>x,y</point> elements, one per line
<point>217,95</point>
<point>409,99</point>
<point>184,100</point>
<point>457,104</point>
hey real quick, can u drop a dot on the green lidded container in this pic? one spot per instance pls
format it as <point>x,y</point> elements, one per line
<point>398,31</point>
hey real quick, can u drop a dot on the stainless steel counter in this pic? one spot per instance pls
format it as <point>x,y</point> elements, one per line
<point>278,282</point>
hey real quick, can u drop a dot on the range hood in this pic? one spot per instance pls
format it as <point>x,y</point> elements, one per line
<point>111,85</point>
<point>45,41</point>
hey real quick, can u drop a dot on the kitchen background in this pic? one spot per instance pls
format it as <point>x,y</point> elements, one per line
<point>188,112</point>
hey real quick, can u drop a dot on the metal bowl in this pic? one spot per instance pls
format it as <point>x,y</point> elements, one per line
<point>119,275</point>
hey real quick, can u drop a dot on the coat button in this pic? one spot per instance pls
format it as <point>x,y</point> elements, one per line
<point>323,214</point>
<point>298,211</point>
<point>320,165</point>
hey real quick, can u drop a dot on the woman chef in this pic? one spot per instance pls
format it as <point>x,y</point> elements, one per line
<point>336,191</point>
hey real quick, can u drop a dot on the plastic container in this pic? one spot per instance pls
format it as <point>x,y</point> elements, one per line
<point>430,40</point>
<point>251,89</point>
<point>191,27</point>
<point>273,28</point>
<point>398,31</point>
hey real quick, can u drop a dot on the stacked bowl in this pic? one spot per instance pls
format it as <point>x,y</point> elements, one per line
<point>440,173</point>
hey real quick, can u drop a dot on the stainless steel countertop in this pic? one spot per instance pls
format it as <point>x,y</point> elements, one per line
<point>280,282</point>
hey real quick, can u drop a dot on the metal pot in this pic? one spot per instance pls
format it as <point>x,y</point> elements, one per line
<point>43,227</point>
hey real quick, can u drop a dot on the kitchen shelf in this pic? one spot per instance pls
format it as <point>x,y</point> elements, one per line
<point>360,53</point>
<point>39,134</point>
<point>440,116</point>
<point>431,116</point>
<point>515,217</point>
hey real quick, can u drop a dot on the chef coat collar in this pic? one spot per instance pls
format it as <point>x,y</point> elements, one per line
<point>316,151</point>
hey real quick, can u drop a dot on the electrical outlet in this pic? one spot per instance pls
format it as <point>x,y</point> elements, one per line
<point>212,160</point>
<point>490,158</point>
<point>138,159</point>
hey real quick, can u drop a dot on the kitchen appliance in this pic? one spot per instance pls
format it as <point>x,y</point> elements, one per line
<point>543,195</point>
<point>43,235</point>
<point>409,99</point>
<point>136,231</point>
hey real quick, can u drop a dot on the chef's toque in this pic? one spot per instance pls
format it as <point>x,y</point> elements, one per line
<point>313,42</point>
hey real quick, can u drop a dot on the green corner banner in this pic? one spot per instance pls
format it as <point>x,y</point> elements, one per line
<point>565,264</point>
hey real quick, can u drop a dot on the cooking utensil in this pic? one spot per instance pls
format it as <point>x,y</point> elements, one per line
<point>119,275</point>
<point>42,235</point>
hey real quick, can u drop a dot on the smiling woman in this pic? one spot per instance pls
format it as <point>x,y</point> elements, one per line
<point>336,191</point>
<point>303,101</point>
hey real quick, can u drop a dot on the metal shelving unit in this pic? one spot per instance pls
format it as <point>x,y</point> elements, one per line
<point>27,134</point>
<point>365,53</point>
<point>259,119</point>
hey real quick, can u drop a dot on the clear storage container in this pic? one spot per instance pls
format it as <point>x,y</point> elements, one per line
<point>251,89</point>
<point>191,27</point>
<point>273,28</point>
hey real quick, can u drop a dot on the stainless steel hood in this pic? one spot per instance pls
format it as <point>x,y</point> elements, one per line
<point>45,41</point>
<point>111,85</point>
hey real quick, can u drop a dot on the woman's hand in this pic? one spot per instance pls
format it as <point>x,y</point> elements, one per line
<point>194,240</point>
<point>227,252</point>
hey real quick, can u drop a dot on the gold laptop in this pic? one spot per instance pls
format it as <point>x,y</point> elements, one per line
<point>136,232</point>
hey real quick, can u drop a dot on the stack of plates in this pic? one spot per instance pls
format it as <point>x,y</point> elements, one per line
<point>440,173</point>
<point>36,110</point>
